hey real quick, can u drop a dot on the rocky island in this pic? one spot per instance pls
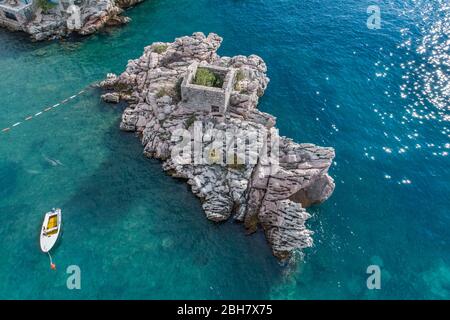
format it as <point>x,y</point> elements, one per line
<point>233,158</point>
<point>53,19</point>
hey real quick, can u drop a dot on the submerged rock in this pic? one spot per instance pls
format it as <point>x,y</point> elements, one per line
<point>258,193</point>
<point>111,97</point>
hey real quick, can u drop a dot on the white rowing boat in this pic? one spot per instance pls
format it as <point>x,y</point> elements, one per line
<point>51,228</point>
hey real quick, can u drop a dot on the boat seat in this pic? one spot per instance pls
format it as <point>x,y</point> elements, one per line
<point>48,234</point>
<point>51,231</point>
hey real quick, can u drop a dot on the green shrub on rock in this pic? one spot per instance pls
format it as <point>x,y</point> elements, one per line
<point>45,5</point>
<point>207,78</point>
<point>160,48</point>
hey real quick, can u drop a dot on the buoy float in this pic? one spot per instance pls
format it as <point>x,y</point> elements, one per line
<point>52,265</point>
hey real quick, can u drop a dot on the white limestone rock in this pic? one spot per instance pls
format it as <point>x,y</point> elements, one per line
<point>94,15</point>
<point>275,201</point>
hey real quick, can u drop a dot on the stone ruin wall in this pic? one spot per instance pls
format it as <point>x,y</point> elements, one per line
<point>201,98</point>
<point>23,15</point>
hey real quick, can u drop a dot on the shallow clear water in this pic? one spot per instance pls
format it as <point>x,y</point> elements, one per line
<point>379,97</point>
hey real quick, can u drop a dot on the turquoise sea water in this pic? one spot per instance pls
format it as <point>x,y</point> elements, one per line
<point>379,97</point>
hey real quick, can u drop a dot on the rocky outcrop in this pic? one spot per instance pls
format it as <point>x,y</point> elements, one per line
<point>62,19</point>
<point>260,193</point>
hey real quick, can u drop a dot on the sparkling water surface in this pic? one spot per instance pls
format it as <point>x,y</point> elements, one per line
<point>379,97</point>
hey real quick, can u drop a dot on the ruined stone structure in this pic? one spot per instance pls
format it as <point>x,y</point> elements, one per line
<point>207,99</point>
<point>16,14</point>
<point>62,17</point>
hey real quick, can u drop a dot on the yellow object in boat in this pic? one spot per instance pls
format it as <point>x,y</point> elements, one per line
<point>52,222</point>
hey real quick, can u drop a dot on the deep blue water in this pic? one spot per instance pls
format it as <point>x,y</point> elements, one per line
<point>379,97</point>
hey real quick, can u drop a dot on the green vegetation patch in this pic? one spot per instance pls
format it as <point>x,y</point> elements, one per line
<point>160,48</point>
<point>239,77</point>
<point>173,92</point>
<point>45,5</point>
<point>207,78</point>
<point>163,92</point>
<point>189,122</point>
<point>122,87</point>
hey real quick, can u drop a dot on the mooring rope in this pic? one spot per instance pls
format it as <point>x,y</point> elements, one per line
<point>52,265</point>
<point>47,109</point>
